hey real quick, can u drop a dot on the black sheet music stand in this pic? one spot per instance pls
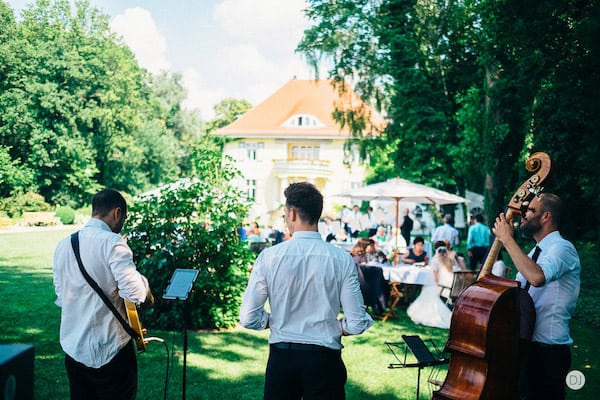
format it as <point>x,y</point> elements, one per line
<point>179,287</point>
<point>423,356</point>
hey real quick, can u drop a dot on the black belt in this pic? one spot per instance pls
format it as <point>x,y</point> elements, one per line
<point>541,345</point>
<point>301,347</point>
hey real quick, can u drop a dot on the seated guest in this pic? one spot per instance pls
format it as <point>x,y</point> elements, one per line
<point>380,237</point>
<point>328,234</point>
<point>428,309</point>
<point>395,241</point>
<point>253,232</point>
<point>374,254</point>
<point>443,267</point>
<point>359,251</point>
<point>416,254</point>
<point>457,258</point>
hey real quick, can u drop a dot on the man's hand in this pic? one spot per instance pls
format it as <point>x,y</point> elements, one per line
<point>502,229</point>
<point>149,302</point>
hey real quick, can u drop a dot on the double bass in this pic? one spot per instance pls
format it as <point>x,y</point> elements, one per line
<point>493,318</point>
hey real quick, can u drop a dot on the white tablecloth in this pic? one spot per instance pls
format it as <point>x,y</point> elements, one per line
<point>406,274</point>
<point>344,245</point>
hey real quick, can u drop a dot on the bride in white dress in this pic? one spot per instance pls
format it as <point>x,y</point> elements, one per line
<point>428,309</point>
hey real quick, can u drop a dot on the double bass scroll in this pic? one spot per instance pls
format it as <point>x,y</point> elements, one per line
<point>540,165</point>
<point>485,336</point>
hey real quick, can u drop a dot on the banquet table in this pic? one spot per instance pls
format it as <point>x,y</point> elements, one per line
<point>344,245</point>
<point>404,274</point>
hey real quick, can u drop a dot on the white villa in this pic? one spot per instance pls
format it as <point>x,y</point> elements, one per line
<point>291,137</point>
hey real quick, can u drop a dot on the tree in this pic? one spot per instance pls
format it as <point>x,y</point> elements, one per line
<point>79,113</point>
<point>473,87</point>
<point>226,112</point>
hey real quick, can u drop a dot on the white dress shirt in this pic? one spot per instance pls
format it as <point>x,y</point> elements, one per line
<point>306,282</point>
<point>89,332</point>
<point>555,301</point>
<point>445,232</point>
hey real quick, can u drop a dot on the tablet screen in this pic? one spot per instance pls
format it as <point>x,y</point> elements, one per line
<point>180,284</point>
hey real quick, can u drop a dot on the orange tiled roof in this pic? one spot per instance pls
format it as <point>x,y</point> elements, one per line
<point>305,97</point>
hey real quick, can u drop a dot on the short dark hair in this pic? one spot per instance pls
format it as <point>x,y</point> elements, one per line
<point>419,239</point>
<point>553,204</point>
<point>306,199</point>
<point>106,200</point>
<point>478,218</point>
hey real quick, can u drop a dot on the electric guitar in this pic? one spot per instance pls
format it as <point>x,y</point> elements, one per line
<point>134,322</point>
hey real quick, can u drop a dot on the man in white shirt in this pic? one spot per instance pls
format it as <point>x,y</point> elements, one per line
<point>446,232</point>
<point>99,354</point>
<point>551,275</point>
<point>306,282</point>
<point>355,221</point>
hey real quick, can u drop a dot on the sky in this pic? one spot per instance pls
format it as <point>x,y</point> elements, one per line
<point>242,49</point>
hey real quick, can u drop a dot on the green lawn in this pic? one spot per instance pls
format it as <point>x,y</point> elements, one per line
<point>219,365</point>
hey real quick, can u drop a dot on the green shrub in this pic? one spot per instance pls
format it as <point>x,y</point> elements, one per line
<point>65,214</point>
<point>191,224</point>
<point>15,205</point>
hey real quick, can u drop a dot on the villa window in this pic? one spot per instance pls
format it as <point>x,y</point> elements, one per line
<point>304,152</point>
<point>252,151</point>
<point>303,121</point>
<point>251,189</point>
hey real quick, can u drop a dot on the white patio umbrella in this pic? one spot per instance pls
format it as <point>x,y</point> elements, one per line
<point>397,189</point>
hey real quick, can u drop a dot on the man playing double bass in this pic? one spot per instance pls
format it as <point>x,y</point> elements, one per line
<point>552,277</point>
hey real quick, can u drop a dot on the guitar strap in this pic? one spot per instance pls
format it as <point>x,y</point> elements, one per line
<point>94,285</point>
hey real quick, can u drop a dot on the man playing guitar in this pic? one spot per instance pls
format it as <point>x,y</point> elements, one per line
<point>99,354</point>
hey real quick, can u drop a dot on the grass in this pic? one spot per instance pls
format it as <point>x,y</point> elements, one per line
<point>220,365</point>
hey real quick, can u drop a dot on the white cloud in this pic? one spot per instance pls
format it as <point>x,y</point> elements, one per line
<point>269,24</point>
<point>141,34</point>
<point>259,55</point>
<point>199,96</point>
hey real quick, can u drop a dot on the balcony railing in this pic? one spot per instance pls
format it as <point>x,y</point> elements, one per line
<point>301,165</point>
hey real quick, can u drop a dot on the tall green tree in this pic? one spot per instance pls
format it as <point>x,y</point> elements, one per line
<point>473,87</point>
<point>78,110</point>
<point>226,112</point>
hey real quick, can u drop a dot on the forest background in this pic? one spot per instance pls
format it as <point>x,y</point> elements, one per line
<point>470,89</point>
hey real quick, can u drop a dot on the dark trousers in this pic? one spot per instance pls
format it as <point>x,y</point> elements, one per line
<point>116,380</point>
<point>406,236</point>
<point>477,256</point>
<point>305,374</point>
<point>545,372</point>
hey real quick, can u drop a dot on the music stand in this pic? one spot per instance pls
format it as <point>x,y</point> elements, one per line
<point>421,353</point>
<point>179,287</point>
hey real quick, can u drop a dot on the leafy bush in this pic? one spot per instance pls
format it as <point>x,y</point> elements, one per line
<point>191,224</point>
<point>65,214</point>
<point>15,205</point>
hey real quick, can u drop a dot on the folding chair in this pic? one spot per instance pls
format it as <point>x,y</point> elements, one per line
<point>395,296</point>
<point>461,280</point>
<point>421,353</point>
<point>374,288</point>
